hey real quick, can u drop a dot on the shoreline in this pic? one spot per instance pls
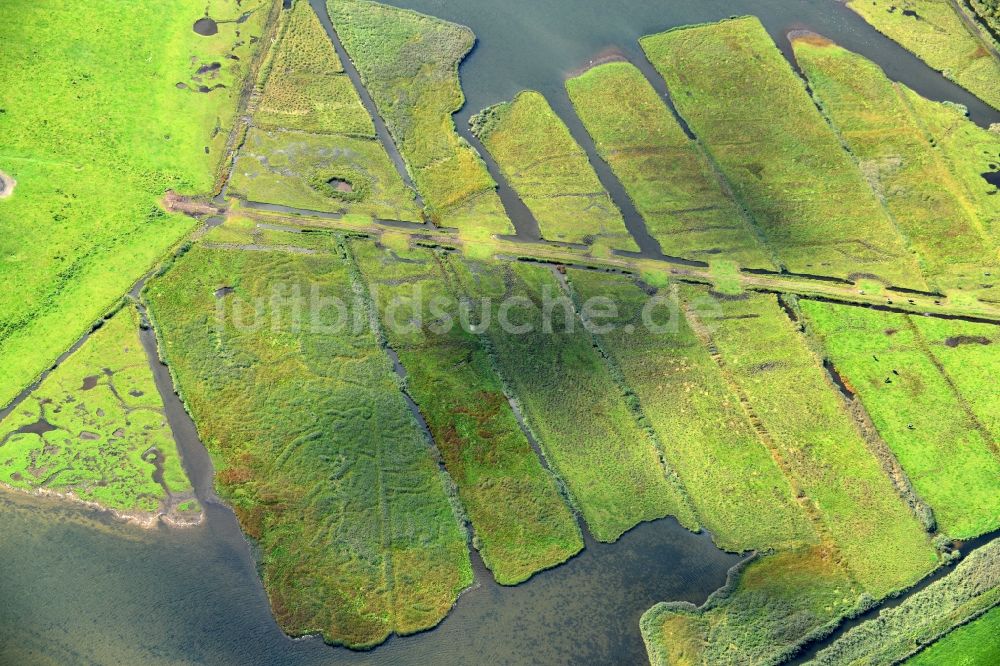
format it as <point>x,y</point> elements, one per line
<point>145,520</point>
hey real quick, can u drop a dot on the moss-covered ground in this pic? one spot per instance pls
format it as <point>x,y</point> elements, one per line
<point>550,172</point>
<point>896,633</point>
<point>95,130</point>
<point>666,174</point>
<point>785,163</point>
<point>890,139</point>
<point>95,430</point>
<point>934,30</point>
<point>735,486</point>
<point>571,401</point>
<point>950,460</point>
<point>409,64</point>
<point>315,447</point>
<point>522,525</point>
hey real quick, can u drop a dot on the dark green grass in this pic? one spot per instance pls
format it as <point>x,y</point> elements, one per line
<point>521,522</point>
<point>314,445</point>
<point>786,165</point>
<point>571,401</point>
<point>916,411</point>
<point>668,177</point>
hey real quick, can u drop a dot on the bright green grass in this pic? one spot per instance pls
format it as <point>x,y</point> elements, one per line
<point>294,169</point>
<point>741,97</point>
<point>972,645</point>
<point>735,486</point>
<point>306,87</point>
<point>94,131</point>
<point>775,605</point>
<point>106,416</point>
<point>239,231</point>
<point>520,520</point>
<point>571,402</point>
<point>315,447</point>
<point>896,633</point>
<point>938,37</point>
<point>968,355</point>
<point>903,164</point>
<point>669,179</point>
<point>550,172</point>
<point>969,152</point>
<point>883,544</point>
<point>946,457</point>
<point>409,64</point>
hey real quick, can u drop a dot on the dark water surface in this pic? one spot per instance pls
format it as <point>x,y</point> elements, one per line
<point>76,587</point>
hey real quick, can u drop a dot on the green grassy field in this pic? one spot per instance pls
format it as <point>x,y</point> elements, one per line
<point>93,427</point>
<point>409,64</point>
<point>295,169</point>
<point>314,445</point>
<point>969,151</point>
<point>903,163</point>
<point>916,411</point>
<point>670,180</point>
<point>736,488</point>
<point>550,172</point>
<point>786,165</point>
<point>936,34</point>
<point>521,522</point>
<point>571,402</point>
<point>761,617</point>
<point>972,588</point>
<point>306,87</point>
<point>882,543</point>
<point>972,645</point>
<point>95,131</point>
<point>968,358</point>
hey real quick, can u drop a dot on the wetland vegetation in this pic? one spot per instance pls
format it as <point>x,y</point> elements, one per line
<point>382,457</point>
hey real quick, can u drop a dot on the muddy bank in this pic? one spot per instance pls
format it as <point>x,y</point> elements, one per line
<point>6,185</point>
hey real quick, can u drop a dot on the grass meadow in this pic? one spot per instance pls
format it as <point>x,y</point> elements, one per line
<point>666,174</point>
<point>786,165</point>
<point>935,32</point>
<point>550,172</point>
<point>409,64</point>
<point>90,167</point>
<point>570,400</point>
<point>738,491</point>
<point>917,412</point>
<point>314,445</point>
<point>521,522</point>
<point>888,136</point>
